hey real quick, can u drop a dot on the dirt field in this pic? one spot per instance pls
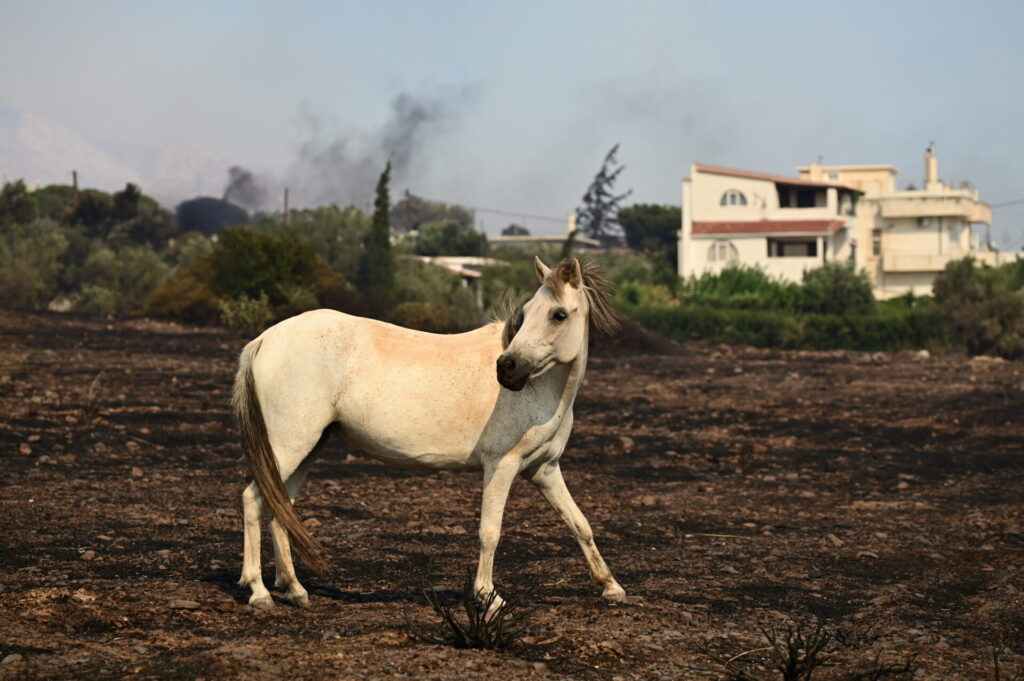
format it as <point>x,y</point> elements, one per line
<point>728,488</point>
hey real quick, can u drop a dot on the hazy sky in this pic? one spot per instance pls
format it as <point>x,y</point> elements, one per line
<point>523,99</point>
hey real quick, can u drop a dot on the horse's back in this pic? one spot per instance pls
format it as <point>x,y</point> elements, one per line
<point>408,397</point>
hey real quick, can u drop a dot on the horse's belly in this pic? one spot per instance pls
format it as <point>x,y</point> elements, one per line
<point>397,447</point>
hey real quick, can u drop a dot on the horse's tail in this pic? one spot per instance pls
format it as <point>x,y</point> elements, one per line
<point>263,464</point>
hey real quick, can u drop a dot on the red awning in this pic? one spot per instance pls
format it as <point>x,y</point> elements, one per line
<point>768,227</point>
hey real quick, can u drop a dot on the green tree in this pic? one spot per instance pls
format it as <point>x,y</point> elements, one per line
<point>336,234</point>
<point>448,237</point>
<point>412,211</point>
<point>515,230</point>
<point>598,217</point>
<point>30,263</point>
<point>981,305</point>
<point>250,262</point>
<point>836,288</point>
<point>377,264</point>
<point>650,227</point>
<point>17,204</point>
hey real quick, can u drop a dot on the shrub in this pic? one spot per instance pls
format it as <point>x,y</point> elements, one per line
<point>118,283</point>
<point>449,237</point>
<point>419,282</point>
<point>30,263</point>
<point>249,262</point>
<point>187,296</point>
<point>423,317</point>
<point>245,314</point>
<point>743,287</point>
<point>984,311</point>
<point>836,289</point>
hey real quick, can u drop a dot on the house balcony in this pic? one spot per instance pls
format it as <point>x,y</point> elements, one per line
<point>918,262</point>
<point>924,205</point>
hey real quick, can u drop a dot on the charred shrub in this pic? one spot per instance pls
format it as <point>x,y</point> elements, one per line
<point>472,621</point>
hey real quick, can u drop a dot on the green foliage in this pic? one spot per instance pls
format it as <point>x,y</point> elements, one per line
<point>30,263</point>
<point>377,264</point>
<point>17,205</point>
<point>419,282</point>
<point>448,237</point>
<point>836,289</point>
<point>983,306</point>
<point>187,296</point>
<point>650,227</point>
<point>412,212</point>
<point>247,315</point>
<point>423,317</point>
<point>55,201</point>
<point>187,249</point>
<point>250,262</point>
<point>118,283</point>
<point>743,287</point>
<point>336,234</point>
<point>515,230</point>
<point>598,216</point>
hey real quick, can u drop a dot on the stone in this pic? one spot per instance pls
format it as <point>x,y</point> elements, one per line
<point>136,472</point>
<point>627,443</point>
<point>867,554</point>
<point>88,555</point>
<point>12,658</point>
<point>181,604</point>
<point>25,449</point>
<point>834,540</point>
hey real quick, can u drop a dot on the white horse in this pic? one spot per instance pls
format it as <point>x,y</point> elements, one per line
<point>419,400</point>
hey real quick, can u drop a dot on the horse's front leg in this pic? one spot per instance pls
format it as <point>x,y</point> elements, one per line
<point>498,479</point>
<point>548,479</point>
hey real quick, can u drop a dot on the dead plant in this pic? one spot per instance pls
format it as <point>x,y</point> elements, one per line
<point>796,651</point>
<point>483,622</point>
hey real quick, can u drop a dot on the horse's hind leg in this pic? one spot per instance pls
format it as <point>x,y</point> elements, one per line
<point>548,479</point>
<point>285,570</point>
<point>251,577</point>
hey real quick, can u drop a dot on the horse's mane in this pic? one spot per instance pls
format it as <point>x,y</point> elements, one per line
<point>603,315</point>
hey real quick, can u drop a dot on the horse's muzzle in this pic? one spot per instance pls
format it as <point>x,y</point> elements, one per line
<point>512,375</point>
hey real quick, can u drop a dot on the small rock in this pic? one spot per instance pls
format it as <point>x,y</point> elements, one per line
<point>13,657</point>
<point>542,667</point>
<point>179,604</point>
<point>88,555</point>
<point>903,484</point>
<point>729,569</point>
<point>25,449</point>
<point>627,443</point>
<point>33,438</point>
<point>649,500</point>
<point>310,523</point>
<point>141,650</point>
<point>136,472</point>
<point>922,354</point>
<point>613,646</point>
<point>834,540</point>
<point>104,537</point>
<point>867,554</point>
<point>330,633</point>
<point>470,664</point>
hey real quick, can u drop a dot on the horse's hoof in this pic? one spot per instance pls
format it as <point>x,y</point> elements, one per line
<point>262,603</point>
<point>615,593</point>
<point>298,599</point>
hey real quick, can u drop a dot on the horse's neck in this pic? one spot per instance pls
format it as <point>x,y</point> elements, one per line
<point>565,381</point>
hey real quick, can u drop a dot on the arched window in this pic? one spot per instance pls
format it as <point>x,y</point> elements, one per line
<point>733,197</point>
<point>722,251</point>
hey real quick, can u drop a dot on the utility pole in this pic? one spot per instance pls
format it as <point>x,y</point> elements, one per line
<point>74,182</point>
<point>286,205</point>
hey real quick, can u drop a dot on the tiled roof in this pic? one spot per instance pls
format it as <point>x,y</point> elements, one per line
<point>768,227</point>
<point>750,174</point>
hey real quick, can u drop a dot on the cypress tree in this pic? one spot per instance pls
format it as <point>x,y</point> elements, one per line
<point>377,262</point>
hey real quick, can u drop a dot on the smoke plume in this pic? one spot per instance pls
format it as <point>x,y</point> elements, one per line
<point>342,167</point>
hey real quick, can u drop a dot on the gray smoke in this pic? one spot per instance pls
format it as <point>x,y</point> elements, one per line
<point>244,190</point>
<point>343,167</point>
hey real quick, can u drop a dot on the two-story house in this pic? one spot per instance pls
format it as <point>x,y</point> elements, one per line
<point>784,225</point>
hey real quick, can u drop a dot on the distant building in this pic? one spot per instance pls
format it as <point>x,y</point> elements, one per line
<point>526,241</point>
<point>785,225</point>
<point>853,213</point>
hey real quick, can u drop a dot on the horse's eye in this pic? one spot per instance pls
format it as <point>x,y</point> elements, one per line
<point>559,316</point>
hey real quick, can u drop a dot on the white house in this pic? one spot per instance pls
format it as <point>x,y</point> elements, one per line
<point>856,214</point>
<point>784,225</point>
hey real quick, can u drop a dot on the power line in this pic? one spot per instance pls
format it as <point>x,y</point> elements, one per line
<point>1007,203</point>
<point>498,211</point>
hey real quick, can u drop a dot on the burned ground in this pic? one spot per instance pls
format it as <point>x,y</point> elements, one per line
<point>727,487</point>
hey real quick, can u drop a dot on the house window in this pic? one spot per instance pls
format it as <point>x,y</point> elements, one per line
<point>733,197</point>
<point>792,248</point>
<point>833,176</point>
<point>876,242</point>
<point>722,251</point>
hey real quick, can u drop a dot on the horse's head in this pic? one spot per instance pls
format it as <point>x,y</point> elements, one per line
<point>552,327</point>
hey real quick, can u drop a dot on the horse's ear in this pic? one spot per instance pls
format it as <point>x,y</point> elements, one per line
<point>541,269</point>
<point>575,273</point>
